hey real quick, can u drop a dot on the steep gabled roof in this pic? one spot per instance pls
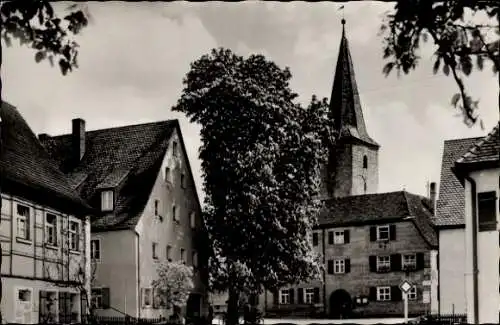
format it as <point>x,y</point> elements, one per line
<point>28,171</point>
<point>450,204</point>
<point>345,103</point>
<point>127,158</point>
<point>486,150</point>
<point>379,208</point>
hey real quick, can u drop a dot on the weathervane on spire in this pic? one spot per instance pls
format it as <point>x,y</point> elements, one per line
<point>343,19</point>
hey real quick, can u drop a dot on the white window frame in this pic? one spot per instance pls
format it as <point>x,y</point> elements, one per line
<point>168,253</point>
<point>95,249</point>
<point>383,262</point>
<point>338,237</point>
<point>96,297</point>
<point>384,293</point>
<point>409,261</point>
<point>51,227</point>
<point>284,297</point>
<point>339,266</point>
<point>74,236</point>
<point>383,229</point>
<point>412,294</point>
<point>25,221</point>
<point>308,295</point>
<point>107,200</point>
<point>182,256</point>
<point>144,295</point>
<point>192,220</point>
<point>154,250</point>
<point>194,258</point>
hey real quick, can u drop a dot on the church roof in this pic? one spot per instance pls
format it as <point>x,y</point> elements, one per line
<point>345,103</point>
<point>28,171</point>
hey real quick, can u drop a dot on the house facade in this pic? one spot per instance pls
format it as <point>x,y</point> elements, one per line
<point>45,233</point>
<point>449,222</point>
<point>139,180</point>
<point>479,172</point>
<point>368,242</point>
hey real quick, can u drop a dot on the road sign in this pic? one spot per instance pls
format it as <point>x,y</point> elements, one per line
<point>405,286</point>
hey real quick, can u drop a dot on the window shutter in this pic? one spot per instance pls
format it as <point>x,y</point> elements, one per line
<point>373,294</point>
<point>420,261</point>
<point>315,239</point>
<point>276,297</point>
<point>300,295</point>
<point>156,304</point>
<point>330,238</point>
<point>330,266</point>
<point>316,295</point>
<point>291,292</point>
<point>347,262</point>
<point>373,263</point>
<point>105,298</point>
<point>487,215</point>
<point>347,237</point>
<point>392,232</point>
<point>396,294</point>
<point>396,262</point>
<point>420,294</point>
<point>373,233</point>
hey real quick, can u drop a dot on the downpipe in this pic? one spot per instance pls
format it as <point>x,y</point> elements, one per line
<point>475,271</point>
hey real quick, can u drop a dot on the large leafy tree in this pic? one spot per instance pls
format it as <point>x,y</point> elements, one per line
<point>35,24</point>
<point>463,42</point>
<point>260,153</point>
<point>174,283</point>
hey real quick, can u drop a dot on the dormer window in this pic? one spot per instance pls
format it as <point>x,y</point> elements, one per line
<point>174,149</point>
<point>107,200</point>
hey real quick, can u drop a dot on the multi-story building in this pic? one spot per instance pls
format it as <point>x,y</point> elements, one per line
<point>45,233</point>
<point>369,242</point>
<point>139,180</point>
<point>479,172</point>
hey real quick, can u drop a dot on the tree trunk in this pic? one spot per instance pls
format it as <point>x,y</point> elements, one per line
<point>233,316</point>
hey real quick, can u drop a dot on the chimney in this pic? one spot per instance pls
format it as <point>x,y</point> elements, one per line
<point>42,137</point>
<point>78,139</point>
<point>432,195</point>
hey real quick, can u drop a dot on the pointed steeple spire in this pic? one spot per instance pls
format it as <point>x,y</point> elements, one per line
<point>345,105</point>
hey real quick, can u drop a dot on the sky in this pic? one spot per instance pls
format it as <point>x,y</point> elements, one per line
<point>133,57</point>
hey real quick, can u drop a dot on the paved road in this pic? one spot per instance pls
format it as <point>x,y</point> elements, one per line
<point>363,321</point>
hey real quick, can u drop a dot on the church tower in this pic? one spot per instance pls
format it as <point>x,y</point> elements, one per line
<point>353,162</point>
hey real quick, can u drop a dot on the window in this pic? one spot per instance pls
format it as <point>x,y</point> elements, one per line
<point>365,162</point>
<point>383,293</point>
<point>195,259</point>
<point>183,255</point>
<point>383,263</point>
<point>174,213</point>
<point>192,220</point>
<point>315,239</point>
<point>169,253</point>
<point>154,250</point>
<point>309,295</point>
<point>23,222</point>
<point>284,296</point>
<point>338,237</point>
<point>147,297</point>
<point>167,177</point>
<point>487,212</point>
<point>157,204</point>
<point>107,200</point>
<point>339,266</point>
<point>68,307</point>
<point>409,261</point>
<point>95,249</point>
<point>48,307</point>
<point>412,294</point>
<point>100,298</point>
<point>174,149</point>
<point>51,229</point>
<point>383,233</point>
<point>24,303</point>
<point>74,236</point>
<point>183,181</point>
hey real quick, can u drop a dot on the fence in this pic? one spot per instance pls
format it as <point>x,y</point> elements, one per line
<point>445,319</point>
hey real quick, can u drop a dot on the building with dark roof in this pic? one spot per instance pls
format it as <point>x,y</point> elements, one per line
<point>139,181</point>
<point>478,170</point>
<point>369,242</point>
<point>45,231</point>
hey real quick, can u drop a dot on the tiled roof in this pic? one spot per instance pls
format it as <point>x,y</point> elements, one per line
<point>450,203</point>
<point>128,158</point>
<point>378,208</point>
<point>345,103</point>
<point>485,150</point>
<point>29,172</point>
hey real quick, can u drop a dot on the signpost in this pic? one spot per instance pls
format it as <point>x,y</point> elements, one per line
<point>405,287</point>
